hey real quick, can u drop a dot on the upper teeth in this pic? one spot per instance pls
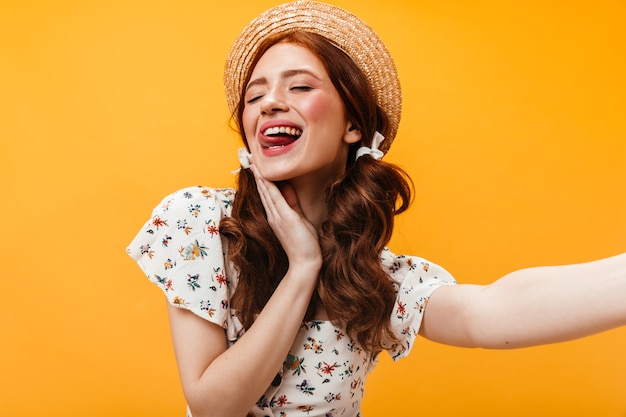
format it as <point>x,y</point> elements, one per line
<point>282,129</point>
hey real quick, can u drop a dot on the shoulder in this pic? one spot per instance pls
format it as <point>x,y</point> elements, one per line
<point>181,217</point>
<point>191,201</point>
<point>414,279</point>
<point>180,250</point>
<point>401,268</point>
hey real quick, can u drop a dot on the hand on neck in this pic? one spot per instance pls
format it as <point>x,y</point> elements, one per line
<point>308,199</point>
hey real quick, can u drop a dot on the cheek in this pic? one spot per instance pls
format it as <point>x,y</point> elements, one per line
<point>248,122</point>
<point>315,109</point>
<point>323,108</point>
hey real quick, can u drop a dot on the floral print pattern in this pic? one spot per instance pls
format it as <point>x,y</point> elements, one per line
<point>181,251</point>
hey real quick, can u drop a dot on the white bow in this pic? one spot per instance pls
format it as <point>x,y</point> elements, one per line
<point>244,159</point>
<point>374,152</point>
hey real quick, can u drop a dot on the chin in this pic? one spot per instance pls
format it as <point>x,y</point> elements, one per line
<point>275,174</point>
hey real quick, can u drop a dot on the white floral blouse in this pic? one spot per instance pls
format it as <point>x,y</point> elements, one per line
<point>181,251</point>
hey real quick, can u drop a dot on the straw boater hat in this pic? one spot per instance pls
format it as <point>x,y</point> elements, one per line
<point>342,28</point>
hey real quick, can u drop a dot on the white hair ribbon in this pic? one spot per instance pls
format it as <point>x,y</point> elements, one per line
<point>244,159</point>
<point>374,152</point>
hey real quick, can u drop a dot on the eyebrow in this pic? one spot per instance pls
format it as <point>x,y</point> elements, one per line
<point>286,74</point>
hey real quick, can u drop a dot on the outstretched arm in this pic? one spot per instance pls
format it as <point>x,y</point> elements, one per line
<point>227,382</point>
<point>531,306</point>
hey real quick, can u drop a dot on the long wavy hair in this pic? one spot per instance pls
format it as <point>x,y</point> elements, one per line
<point>356,292</point>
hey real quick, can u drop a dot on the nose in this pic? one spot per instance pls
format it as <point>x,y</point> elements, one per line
<point>273,102</point>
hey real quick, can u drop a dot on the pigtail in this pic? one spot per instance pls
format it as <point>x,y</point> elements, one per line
<point>354,289</point>
<point>254,250</point>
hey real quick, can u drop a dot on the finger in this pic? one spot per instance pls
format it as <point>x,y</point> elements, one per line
<point>271,196</point>
<point>264,195</point>
<point>270,189</point>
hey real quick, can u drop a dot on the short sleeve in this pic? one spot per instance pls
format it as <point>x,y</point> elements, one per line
<point>415,279</point>
<point>180,250</point>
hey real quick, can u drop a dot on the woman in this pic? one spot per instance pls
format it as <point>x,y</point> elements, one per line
<point>293,266</point>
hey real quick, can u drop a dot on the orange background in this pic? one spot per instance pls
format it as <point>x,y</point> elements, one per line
<point>513,130</point>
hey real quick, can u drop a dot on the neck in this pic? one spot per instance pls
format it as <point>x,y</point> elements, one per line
<point>311,197</point>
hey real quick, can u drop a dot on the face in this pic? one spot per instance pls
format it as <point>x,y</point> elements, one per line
<point>294,119</point>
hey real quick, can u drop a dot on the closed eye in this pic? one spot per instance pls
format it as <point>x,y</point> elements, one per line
<point>253,99</point>
<point>301,88</point>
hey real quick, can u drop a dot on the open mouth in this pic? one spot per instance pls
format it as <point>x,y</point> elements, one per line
<point>279,136</point>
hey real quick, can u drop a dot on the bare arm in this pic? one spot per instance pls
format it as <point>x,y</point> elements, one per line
<point>227,382</point>
<point>531,307</point>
